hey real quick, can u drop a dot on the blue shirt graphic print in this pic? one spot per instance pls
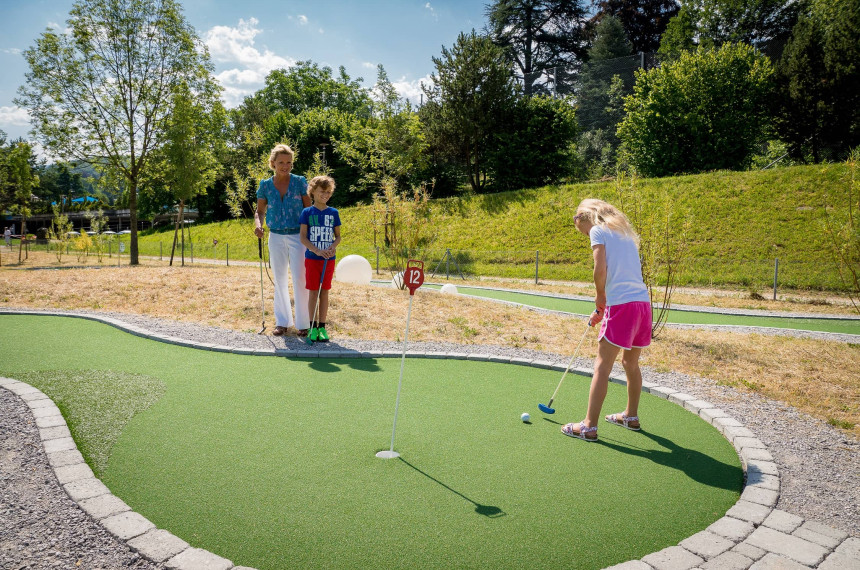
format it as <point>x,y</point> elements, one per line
<point>283,214</point>
<point>321,225</point>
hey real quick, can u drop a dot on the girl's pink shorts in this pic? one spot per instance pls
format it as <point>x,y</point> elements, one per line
<point>627,325</point>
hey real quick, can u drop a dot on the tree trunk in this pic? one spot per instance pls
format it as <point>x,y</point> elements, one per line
<point>132,207</point>
<point>182,228</point>
<point>175,233</point>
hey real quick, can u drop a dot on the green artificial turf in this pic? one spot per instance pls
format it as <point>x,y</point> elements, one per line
<point>99,404</point>
<point>845,326</point>
<point>270,462</point>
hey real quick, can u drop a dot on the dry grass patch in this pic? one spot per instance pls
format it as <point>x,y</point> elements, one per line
<point>818,377</point>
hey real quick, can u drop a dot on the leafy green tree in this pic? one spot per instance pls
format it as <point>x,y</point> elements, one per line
<point>644,21</point>
<point>537,146</point>
<point>306,85</point>
<point>539,35</point>
<point>705,111</point>
<point>101,94</point>
<point>388,146</point>
<point>680,36</point>
<point>471,97</point>
<point>818,78</point>
<point>186,163</point>
<point>21,179</point>
<point>717,22</point>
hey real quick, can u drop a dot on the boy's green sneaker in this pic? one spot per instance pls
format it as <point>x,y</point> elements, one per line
<point>322,334</point>
<point>314,335</point>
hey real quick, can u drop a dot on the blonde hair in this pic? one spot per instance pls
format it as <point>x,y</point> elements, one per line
<point>322,182</point>
<point>277,151</point>
<point>605,215</point>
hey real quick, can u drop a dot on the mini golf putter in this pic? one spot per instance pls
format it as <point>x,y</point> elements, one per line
<point>548,409</point>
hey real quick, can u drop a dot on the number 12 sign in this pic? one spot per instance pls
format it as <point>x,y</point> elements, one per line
<point>413,277</point>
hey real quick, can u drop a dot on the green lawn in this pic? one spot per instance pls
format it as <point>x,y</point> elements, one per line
<point>835,325</point>
<point>270,461</point>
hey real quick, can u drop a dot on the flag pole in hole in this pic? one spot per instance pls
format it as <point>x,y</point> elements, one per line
<point>413,277</point>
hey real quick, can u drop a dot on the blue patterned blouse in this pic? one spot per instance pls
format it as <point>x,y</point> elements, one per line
<point>282,215</point>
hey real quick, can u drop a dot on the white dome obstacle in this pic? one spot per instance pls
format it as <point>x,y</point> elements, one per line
<point>353,269</point>
<point>449,289</point>
<point>397,281</point>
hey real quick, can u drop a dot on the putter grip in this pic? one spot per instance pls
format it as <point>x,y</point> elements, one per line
<point>260,246</point>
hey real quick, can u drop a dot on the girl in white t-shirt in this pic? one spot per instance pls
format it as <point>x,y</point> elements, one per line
<point>623,306</point>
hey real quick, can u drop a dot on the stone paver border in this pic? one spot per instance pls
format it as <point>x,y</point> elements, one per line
<point>752,534</point>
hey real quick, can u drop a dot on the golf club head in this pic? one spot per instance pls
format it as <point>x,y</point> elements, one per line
<point>308,340</point>
<point>262,330</point>
<point>546,409</point>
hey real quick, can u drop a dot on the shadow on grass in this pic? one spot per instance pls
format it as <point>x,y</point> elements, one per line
<point>488,511</point>
<point>695,464</point>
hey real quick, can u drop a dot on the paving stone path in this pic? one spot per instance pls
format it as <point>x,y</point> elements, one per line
<point>752,534</point>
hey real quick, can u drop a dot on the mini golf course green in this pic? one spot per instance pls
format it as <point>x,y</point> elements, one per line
<point>269,461</point>
<point>833,325</point>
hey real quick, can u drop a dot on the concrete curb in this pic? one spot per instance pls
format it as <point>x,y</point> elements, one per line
<point>752,534</point>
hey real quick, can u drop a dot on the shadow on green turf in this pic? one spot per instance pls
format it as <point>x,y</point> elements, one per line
<point>696,465</point>
<point>485,510</point>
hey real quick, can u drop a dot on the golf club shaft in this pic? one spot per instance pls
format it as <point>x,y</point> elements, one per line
<point>262,298</point>
<point>569,364</point>
<point>319,291</point>
<point>400,382</point>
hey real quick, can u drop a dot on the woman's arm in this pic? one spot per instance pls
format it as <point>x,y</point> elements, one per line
<point>260,216</point>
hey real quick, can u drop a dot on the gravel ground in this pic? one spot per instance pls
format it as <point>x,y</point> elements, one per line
<point>40,527</point>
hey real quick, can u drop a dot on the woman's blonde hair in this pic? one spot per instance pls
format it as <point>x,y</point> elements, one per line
<point>605,215</point>
<point>277,151</point>
<point>322,182</point>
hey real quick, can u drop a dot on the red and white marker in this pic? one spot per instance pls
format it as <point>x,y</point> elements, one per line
<point>413,277</point>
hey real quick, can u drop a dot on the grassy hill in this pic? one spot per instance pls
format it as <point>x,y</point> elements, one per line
<point>737,223</point>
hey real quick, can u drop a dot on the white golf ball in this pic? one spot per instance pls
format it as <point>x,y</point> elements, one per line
<point>525,417</point>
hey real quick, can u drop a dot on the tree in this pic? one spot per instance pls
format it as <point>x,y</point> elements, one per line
<point>679,36</point>
<point>818,78</point>
<point>306,85</point>
<point>644,21</point>
<point>717,22</point>
<point>101,94</point>
<point>471,97</point>
<point>539,35</point>
<point>388,146</point>
<point>705,111</point>
<point>541,134</point>
<point>186,163</point>
<point>21,179</point>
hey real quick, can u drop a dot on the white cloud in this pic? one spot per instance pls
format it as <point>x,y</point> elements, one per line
<point>15,116</point>
<point>13,51</point>
<point>59,28</point>
<point>368,65</point>
<point>235,45</point>
<point>411,89</point>
<point>303,20</point>
<point>432,10</point>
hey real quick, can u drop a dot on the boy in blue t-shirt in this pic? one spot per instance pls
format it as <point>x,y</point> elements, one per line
<point>320,233</point>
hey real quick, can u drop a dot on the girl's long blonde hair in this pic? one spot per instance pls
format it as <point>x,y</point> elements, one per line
<point>604,214</point>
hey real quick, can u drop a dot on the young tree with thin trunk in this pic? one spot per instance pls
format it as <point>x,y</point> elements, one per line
<point>101,93</point>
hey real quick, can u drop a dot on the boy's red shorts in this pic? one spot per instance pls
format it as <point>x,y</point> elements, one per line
<point>313,272</point>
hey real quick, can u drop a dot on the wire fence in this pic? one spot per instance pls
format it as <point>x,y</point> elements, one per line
<point>454,264</point>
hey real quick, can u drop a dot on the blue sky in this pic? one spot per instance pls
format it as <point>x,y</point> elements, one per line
<point>248,38</point>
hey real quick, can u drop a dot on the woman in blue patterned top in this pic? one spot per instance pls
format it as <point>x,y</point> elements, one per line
<point>280,201</point>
